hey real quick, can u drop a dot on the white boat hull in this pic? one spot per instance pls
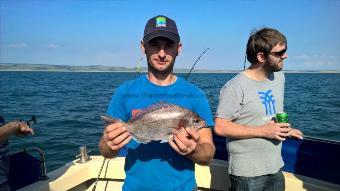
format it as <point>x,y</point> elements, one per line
<point>76,176</point>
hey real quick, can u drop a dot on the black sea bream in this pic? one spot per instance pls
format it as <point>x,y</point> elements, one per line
<point>157,122</point>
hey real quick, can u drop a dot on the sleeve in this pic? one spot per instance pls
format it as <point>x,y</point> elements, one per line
<point>117,106</point>
<point>230,103</point>
<point>202,108</point>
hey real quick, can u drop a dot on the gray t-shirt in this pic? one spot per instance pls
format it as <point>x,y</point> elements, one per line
<point>253,103</point>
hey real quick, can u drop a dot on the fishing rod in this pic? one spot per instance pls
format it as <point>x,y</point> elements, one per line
<point>196,62</point>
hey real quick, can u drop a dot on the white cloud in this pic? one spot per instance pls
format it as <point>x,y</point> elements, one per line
<point>316,61</point>
<point>301,57</point>
<point>17,45</point>
<point>51,45</point>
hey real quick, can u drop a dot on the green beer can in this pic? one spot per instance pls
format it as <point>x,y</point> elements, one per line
<point>282,117</point>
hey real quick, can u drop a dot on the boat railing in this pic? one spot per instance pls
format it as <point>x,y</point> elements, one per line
<point>26,168</point>
<point>43,169</point>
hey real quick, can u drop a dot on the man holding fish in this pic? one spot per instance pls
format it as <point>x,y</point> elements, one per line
<point>160,118</point>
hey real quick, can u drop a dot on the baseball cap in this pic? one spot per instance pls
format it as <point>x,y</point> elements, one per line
<point>161,26</point>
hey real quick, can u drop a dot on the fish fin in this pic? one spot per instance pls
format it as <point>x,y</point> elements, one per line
<point>170,138</point>
<point>164,141</point>
<point>139,139</point>
<point>164,104</point>
<point>109,120</point>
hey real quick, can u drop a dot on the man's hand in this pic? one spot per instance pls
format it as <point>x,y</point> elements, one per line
<point>185,141</point>
<point>116,136</point>
<point>20,128</point>
<point>296,133</point>
<point>278,131</point>
<point>15,128</point>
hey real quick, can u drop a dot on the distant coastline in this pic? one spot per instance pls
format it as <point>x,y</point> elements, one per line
<point>101,68</point>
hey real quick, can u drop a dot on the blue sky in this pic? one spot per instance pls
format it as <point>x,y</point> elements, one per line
<point>88,32</point>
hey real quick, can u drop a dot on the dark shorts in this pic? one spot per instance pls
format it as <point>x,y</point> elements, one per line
<point>270,182</point>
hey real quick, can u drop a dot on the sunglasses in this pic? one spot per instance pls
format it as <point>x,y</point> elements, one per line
<point>279,53</point>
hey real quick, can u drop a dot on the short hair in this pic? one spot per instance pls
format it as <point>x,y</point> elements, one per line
<point>263,40</point>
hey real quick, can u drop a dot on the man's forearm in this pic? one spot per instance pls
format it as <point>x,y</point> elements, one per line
<point>203,154</point>
<point>7,130</point>
<point>229,129</point>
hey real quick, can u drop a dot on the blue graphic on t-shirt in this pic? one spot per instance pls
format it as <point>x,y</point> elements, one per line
<point>268,101</point>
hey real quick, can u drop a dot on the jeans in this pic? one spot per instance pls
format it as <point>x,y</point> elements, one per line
<point>270,182</point>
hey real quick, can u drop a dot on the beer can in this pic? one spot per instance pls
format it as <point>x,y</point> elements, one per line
<point>282,117</point>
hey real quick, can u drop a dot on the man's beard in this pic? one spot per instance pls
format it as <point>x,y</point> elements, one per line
<point>167,70</point>
<point>271,66</point>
